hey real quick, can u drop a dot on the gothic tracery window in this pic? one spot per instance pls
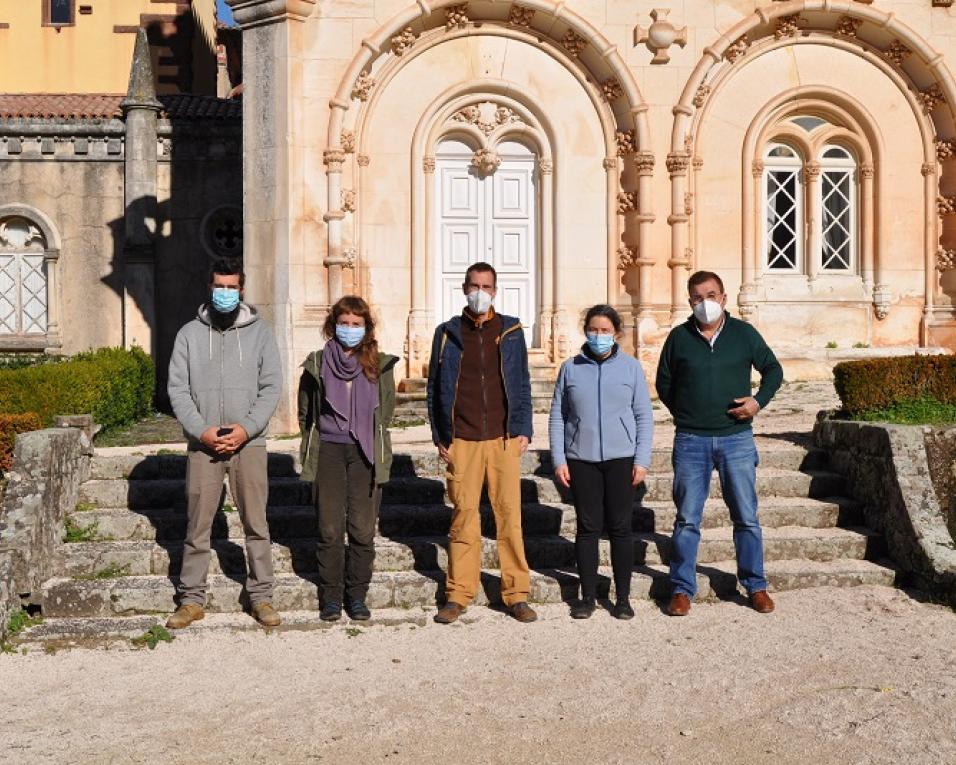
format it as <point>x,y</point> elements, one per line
<point>23,278</point>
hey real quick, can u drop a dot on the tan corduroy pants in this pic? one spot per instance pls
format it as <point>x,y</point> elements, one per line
<point>497,461</point>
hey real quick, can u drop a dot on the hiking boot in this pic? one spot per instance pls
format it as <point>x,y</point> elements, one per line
<point>185,615</point>
<point>449,612</point>
<point>622,609</point>
<point>264,613</point>
<point>523,612</point>
<point>583,608</point>
<point>761,602</point>
<point>679,605</point>
<point>358,611</point>
<point>331,611</point>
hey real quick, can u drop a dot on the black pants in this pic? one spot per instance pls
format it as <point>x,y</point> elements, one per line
<point>346,501</point>
<point>603,498</point>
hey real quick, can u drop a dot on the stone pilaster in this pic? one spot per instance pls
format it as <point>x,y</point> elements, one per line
<point>141,110</point>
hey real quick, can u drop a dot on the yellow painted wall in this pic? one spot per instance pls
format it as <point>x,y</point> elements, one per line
<point>86,58</point>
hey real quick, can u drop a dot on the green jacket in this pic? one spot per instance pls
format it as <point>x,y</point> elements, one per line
<point>699,384</point>
<point>310,399</point>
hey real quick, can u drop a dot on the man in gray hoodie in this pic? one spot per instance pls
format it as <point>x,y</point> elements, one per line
<point>224,384</point>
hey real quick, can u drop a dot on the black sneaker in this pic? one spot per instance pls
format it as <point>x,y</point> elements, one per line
<point>583,609</point>
<point>331,611</point>
<point>358,611</point>
<point>622,609</point>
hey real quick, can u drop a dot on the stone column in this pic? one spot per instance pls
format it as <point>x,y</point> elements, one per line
<point>867,238</point>
<point>750,259</point>
<point>141,111</point>
<point>679,262</point>
<point>814,252</point>
<point>644,164</point>
<point>272,41</point>
<point>421,316</point>
<point>546,317</point>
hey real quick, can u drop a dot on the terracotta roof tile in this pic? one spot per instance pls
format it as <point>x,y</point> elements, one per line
<point>77,106</point>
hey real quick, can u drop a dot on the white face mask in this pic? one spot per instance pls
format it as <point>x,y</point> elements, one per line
<point>708,311</point>
<point>479,302</point>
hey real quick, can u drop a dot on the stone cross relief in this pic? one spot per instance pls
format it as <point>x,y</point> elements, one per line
<point>660,35</point>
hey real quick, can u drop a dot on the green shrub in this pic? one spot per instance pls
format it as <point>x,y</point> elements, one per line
<point>20,360</point>
<point>112,384</point>
<point>10,425</point>
<point>884,383</point>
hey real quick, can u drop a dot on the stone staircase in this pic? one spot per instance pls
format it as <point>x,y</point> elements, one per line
<point>133,508</point>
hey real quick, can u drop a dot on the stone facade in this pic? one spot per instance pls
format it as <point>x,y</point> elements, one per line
<point>894,471</point>
<point>653,142</point>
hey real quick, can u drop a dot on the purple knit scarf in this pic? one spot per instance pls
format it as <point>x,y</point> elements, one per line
<point>338,368</point>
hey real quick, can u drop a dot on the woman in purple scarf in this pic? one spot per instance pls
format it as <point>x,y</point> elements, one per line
<point>346,401</point>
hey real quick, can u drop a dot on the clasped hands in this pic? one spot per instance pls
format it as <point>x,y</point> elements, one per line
<point>446,457</point>
<point>227,443</point>
<point>563,475</point>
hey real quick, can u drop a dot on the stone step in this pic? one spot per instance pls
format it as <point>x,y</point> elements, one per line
<point>285,464</point>
<point>294,521</point>
<point>166,492</point>
<point>430,553</point>
<point>63,598</point>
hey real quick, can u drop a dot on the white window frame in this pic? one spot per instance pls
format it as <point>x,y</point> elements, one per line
<point>846,166</point>
<point>792,165</point>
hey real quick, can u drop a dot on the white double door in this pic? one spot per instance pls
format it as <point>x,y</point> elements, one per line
<point>489,219</point>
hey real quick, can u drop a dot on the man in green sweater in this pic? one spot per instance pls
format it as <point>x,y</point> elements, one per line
<point>703,378</point>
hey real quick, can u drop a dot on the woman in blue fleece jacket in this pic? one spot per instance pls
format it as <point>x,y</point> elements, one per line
<point>601,430</point>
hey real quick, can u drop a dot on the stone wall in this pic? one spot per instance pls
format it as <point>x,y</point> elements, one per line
<point>941,455</point>
<point>48,468</point>
<point>888,471</point>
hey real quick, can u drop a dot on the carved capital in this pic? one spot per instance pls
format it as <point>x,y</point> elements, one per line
<point>610,163</point>
<point>333,157</point>
<point>697,163</point>
<point>677,163</point>
<point>811,171</point>
<point>644,163</point>
<point>927,168</point>
<point>867,170</point>
<point>546,166</point>
<point>428,164</point>
<point>362,160</point>
<point>757,168</point>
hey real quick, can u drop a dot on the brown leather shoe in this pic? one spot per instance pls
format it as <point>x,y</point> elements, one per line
<point>185,615</point>
<point>449,612</point>
<point>761,602</point>
<point>679,605</point>
<point>264,613</point>
<point>523,612</point>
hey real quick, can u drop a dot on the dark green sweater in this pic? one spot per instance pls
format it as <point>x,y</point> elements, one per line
<point>698,385</point>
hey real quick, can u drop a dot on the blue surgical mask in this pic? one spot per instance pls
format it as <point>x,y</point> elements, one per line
<point>225,299</point>
<point>349,336</point>
<point>600,344</point>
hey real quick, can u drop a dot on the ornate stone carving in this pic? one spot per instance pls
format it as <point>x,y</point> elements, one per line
<point>945,149</point>
<point>848,26</point>
<point>945,259</point>
<point>942,3</point>
<point>546,166</point>
<point>737,49</point>
<point>486,116</point>
<point>626,142</point>
<point>403,41</point>
<point>573,43</point>
<point>811,171</point>
<point>520,16</point>
<point>17,233</point>
<point>610,163</point>
<point>757,168</point>
<point>700,96</point>
<point>363,86</point>
<point>697,163</point>
<point>456,16</point>
<point>896,53</point>
<point>945,205</point>
<point>612,89</point>
<point>485,161</point>
<point>626,201</point>
<point>930,98</point>
<point>677,162</point>
<point>428,164</point>
<point>688,203</point>
<point>347,139</point>
<point>644,163</point>
<point>867,170</point>
<point>331,157</point>
<point>348,200</point>
<point>882,296</point>
<point>626,257</point>
<point>787,26</point>
<point>927,168</point>
<point>349,257</point>
<point>660,35</point>
<point>362,160</point>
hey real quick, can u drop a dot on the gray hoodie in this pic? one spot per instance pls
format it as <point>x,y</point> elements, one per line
<point>219,377</point>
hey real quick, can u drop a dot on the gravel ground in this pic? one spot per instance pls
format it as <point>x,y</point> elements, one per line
<point>834,676</point>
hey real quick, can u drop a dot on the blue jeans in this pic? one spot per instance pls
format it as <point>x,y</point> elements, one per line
<point>694,459</point>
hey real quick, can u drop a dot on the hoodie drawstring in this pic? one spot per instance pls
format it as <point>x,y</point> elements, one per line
<point>210,341</point>
<point>239,340</point>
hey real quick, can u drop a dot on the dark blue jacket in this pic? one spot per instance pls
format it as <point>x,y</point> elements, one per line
<point>445,365</point>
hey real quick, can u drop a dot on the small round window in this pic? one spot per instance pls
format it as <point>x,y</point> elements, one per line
<point>221,232</point>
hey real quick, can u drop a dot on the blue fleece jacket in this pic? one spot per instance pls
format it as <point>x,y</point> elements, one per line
<point>601,411</point>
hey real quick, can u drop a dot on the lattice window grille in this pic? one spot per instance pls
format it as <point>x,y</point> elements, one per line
<point>837,238</point>
<point>23,294</point>
<point>783,219</point>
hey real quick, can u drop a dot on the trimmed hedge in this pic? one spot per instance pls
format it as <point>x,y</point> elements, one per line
<point>885,382</point>
<point>112,384</point>
<point>10,425</point>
